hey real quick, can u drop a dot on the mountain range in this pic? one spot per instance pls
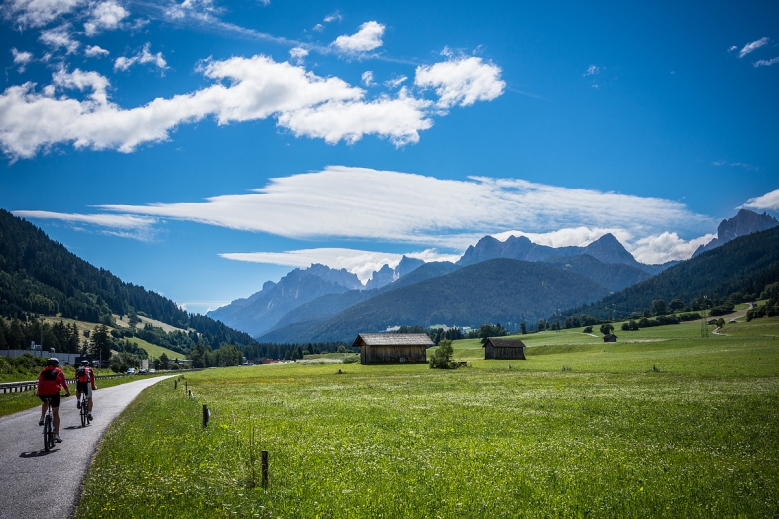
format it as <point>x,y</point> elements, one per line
<point>278,311</point>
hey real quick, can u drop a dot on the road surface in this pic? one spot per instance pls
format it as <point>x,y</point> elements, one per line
<point>38,484</point>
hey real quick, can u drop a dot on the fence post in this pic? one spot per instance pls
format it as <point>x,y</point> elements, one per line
<point>264,469</point>
<point>175,384</point>
<point>206,415</point>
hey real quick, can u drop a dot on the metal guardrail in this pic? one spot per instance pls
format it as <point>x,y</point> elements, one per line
<point>16,387</point>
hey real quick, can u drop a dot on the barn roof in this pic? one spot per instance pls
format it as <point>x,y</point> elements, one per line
<point>393,339</point>
<point>504,342</point>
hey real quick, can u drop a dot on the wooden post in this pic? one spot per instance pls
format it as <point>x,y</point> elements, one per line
<point>264,469</point>
<point>206,415</point>
<point>186,387</point>
<point>175,384</point>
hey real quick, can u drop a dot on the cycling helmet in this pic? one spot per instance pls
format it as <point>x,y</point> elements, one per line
<point>54,361</point>
<point>85,363</point>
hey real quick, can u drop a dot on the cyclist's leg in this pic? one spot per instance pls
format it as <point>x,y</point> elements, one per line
<point>44,408</point>
<point>89,398</point>
<point>55,409</point>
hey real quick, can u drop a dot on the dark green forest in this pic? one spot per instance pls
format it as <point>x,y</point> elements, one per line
<point>737,271</point>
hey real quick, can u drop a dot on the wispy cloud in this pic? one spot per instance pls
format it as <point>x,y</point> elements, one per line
<point>21,59</point>
<point>297,54</point>
<point>395,82</point>
<point>751,47</point>
<point>143,56</point>
<point>122,225</point>
<point>766,62</point>
<point>366,39</point>
<point>768,201</point>
<point>38,13</point>
<point>333,17</point>
<point>367,78</point>
<point>749,167</point>
<point>591,71</point>
<point>357,203</point>
<point>60,37</point>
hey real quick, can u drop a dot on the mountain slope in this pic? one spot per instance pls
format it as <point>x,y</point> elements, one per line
<point>745,265</point>
<point>498,290</point>
<point>745,222</point>
<point>39,275</point>
<point>261,311</point>
<point>614,276</point>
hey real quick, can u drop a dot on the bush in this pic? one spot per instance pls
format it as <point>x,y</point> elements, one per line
<point>442,357</point>
<point>588,329</point>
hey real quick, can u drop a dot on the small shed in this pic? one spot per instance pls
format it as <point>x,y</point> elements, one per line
<point>377,348</point>
<point>504,348</point>
<point>609,337</point>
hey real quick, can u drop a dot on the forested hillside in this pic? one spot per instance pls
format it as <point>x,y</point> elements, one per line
<point>745,265</point>
<point>499,290</point>
<point>40,276</point>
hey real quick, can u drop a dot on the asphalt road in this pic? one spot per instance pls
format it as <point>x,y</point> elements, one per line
<point>38,484</point>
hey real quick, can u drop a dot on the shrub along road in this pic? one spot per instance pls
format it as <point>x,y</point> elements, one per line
<point>39,484</point>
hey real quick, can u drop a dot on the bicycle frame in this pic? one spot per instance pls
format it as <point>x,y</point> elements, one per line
<point>48,428</point>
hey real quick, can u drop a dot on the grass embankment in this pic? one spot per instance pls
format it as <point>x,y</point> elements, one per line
<point>610,438</point>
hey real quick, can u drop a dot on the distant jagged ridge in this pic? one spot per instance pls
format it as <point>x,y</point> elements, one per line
<point>745,264</point>
<point>745,222</point>
<point>606,249</point>
<point>262,310</point>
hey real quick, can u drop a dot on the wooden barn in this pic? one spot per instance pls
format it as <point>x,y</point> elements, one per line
<point>609,337</point>
<point>377,348</point>
<point>504,348</point>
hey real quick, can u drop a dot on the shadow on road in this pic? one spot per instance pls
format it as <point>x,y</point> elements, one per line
<point>37,454</point>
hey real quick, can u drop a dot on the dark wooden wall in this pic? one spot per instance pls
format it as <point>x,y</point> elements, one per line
<point>380,354</point>
<point>492,353</point>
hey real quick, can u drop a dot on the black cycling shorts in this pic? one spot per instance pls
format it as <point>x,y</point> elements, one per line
<point>84,387</point>
<point>55,399</point>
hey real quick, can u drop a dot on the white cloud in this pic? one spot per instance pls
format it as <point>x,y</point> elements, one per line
<point>666,246</point>
<point>21,58</point>
<point>333,17</point>
<point>319,27</point>
<point>92,51</point>
<point>359,262</point>
<point>200,9</point>
<point>297,54</point>
<point>367,78</point>
<point>364,40</point>
<point>105,16</point>
<point>767,201</point>
<point>567,237</point>
<point>60,37</point>
<point>750,47</point>
<point>766,62</point>
<point>144,56</point>
<point>122,225</point>
<point>733,48</point>
<point>306,104</point>
<point>357,203</point>
<point>591,71</point>
<point>38,13</point>
<point>395,82</point>
<point>461,81</point>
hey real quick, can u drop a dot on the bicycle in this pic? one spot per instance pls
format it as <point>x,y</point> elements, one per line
<point>48,428</point>
<point>84,411</point>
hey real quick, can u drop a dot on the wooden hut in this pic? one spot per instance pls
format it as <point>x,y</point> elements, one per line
<point>504,348</point>
<point>377,348</point>
<point>609,337</point>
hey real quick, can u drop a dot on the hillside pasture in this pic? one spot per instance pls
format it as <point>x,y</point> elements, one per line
<point>611,437</point>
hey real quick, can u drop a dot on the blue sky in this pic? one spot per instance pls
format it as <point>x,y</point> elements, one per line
<point>200,148</point>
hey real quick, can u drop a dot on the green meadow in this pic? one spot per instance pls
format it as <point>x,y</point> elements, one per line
<point>662,423</point>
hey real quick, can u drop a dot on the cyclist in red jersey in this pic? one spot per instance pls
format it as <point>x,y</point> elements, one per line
<point>50,382</point>
<point>85,383</point>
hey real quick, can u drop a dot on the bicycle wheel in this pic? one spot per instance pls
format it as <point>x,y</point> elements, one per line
<point>83,412</point>
<point>48,433</point>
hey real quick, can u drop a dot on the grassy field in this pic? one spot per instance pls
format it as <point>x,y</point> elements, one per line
<point>667,424</point>
<point>155,351</point>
